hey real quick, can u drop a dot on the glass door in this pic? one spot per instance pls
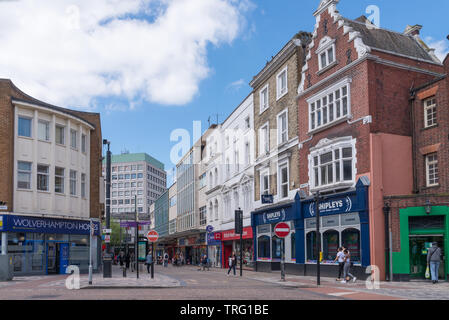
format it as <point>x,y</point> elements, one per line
<point>51,258</point>
<point>419,246</point>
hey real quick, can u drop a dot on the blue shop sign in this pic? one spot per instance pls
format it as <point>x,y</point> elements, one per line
<point>329,207</point>
<point>275,215</point>
<point>211,240</point>
<point>47,225</point>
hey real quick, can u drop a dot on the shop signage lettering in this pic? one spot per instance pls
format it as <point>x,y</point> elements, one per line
<point>274,216</point>
<point>230,234</point>
<point>332,206</point>
<point>31,224</point>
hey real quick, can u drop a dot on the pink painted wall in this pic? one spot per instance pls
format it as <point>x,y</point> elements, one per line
<point>391,174</point>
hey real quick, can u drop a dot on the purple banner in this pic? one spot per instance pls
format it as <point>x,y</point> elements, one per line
<point>132,224</point>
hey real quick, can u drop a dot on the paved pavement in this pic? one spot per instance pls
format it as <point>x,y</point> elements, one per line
<point>188,283</point>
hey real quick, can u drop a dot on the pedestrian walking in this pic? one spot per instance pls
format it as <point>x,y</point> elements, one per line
<point>122,258</point>
<point>133,261</point>
<point>205,262</point>
<point>341,262</point>
<point>347,267</point>
<point>127,259</point>
<point>232,263</point>
<point>149,261</point>
<point>165,259</point>
<point>434,260</point>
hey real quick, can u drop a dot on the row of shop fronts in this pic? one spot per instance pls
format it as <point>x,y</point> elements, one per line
<point>40,246</point>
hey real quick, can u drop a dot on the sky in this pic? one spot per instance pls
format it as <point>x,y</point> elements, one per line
<point>150,67</point>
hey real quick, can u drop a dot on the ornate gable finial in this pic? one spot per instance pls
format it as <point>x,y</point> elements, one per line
<point>324,4</point>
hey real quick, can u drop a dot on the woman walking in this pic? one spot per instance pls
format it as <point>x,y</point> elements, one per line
<point>347,267</point>
<point>232,262</point>
<point>341,262</point>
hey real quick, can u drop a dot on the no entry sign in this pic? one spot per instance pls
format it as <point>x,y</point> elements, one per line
<point>152,236</point>
<point>282,229</point>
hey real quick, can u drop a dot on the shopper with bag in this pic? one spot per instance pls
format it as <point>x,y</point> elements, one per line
<point>433,262</point>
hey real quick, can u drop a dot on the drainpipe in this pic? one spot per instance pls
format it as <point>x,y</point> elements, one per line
<point>412,116</point>
<point>388,244</point>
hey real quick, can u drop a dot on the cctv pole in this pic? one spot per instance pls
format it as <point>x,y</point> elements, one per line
<point>107,263</point>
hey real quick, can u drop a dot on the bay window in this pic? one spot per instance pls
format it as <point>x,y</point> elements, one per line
<point>333,165</point>
<point>329,106</point>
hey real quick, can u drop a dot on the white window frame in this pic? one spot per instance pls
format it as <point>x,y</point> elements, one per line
<point>264,144</point>
<point>434,113</point>
<point>322,101</point>
<point>58,126</point>
<point>326,44</point>
<point>83,143</point>
<point>263,173</point>
<point>73,182</point>
<point>282,165</point>
<point>47,130</point>
<point>264,106</point>
<point>29,173</point>
<point>279,125</point>
<point>280,92</point>
<point>434,163</point>
<point>331,146</point>
<point>74,139</point>
<point>62,177</point>
<point>45,175</point>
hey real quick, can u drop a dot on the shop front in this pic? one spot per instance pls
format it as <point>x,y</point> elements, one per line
<point>47,246</point>
<point>231,244</point>
<point>343,222</point>
<point>267,246</point>
<point>419,227</point>
<point>192,248</point>
<point>214,248</point>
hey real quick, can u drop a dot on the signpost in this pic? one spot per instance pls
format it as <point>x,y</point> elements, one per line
<point>318,238</point>
<point>209,230</point>
<point>92,232</point>
<point>239,230</point>
<point>282,230</point>
<point>152,237</point>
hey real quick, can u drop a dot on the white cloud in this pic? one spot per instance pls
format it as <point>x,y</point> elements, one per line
<point>70,52</point>
<point>236,85</point>
<point>441,47</point>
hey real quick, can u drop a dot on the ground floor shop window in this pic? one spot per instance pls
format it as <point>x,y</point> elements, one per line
<point>351,241</point>
<point>311,246</point>
<point>263,247</point>
<point>331,240</point>
<point>276,246</point>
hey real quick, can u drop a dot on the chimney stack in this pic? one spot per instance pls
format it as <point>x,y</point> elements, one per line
<point>413,30</point>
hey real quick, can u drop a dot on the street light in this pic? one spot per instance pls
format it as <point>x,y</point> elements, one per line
<point>107,259</point>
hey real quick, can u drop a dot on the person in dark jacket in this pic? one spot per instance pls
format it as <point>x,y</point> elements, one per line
<point>127,260</point>
<point>149,261</point>
<point>433,261</point>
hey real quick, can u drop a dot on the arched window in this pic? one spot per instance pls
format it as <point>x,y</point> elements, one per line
<point>211,181</point>
<point>276,247</point>
<point>351,241</point>
<point>311,246</point>
<point>331,239</point>
<point>263,247</point>
<point>216,176</point>
<point>216,209</point>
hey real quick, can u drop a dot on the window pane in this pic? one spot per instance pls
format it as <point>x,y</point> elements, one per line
<point>347,170</point>
<point>330,55</point>
<point>276,247</point>
<point>24,127</point>
<point>59,135</point>
<point>325,158</point>
<point>311,246</point>
<point>330,173</point>
<point>263,247</point>
<point>347,152</point>
<point>331,240</point>
<point>345,106</point>
<point>43,131</point>
<point>323,60</point>
<point>351,241</point>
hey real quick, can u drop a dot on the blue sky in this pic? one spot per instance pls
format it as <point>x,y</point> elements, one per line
<point>141,112</point>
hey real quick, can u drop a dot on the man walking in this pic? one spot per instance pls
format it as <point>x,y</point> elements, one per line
<point>149,261</point>
<point>434,260</point>
<point>341,262</point>
<point>232,263</point>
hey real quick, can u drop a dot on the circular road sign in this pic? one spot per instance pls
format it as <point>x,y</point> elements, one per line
<point>282,229</point>
<point>209,228</point>
<point>152,236</point>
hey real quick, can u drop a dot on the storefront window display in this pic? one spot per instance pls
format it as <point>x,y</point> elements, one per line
<point>351,241</point>
<point>311,246</point>
<point>331,240</point>
<point>263,247</point>
<point>247,251</point>
<point>276,247</point>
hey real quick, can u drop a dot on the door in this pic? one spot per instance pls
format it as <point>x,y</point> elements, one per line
<point>227,251</point>
<point>63,249</point>
<point>419,246</point>
<point>51,258</point>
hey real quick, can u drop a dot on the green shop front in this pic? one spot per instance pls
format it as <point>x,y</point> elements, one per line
<point>419,228</point>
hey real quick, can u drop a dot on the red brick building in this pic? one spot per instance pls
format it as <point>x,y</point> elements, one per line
<point>355,122</point>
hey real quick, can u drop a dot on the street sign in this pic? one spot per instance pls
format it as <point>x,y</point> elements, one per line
<point>107,238</point>
<point>152,236</point>
<point>107,231</point>
<point>267,198</point>
<point>217,236</point>
<point>3,207</point>
<point>282,229</point>
<point>209,228</point>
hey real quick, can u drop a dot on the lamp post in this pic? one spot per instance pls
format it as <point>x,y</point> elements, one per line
<point>388,239</point>
<point>107,261</point>
<point>318,237</point>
